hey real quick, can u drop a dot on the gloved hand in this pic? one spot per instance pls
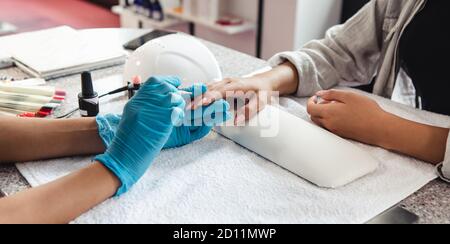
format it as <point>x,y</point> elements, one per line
<point>107,127</point>
<point>197,123</point>
<point>146,125</point>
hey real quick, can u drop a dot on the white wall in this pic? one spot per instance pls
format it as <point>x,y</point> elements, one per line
<point>289,24</point>
<point>279,25</point>
<point>244,42</point>
<point>314,17</point>
<point>247,9</point>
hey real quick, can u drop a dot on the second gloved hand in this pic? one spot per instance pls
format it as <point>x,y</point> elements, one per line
<point>144,129</point>
<point>196,125</point>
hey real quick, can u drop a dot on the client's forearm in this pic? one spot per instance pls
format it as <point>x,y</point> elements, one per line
<point>283,78</point>
<point>34,139</point>
<point>421,141</point>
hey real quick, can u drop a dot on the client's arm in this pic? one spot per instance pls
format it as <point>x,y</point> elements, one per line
<point>282,79</point>
<point>357,117</point>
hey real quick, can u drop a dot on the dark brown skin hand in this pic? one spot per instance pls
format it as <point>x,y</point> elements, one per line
<point>357,117</point>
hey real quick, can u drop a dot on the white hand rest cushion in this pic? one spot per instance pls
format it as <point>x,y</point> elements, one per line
<point>302,148</point>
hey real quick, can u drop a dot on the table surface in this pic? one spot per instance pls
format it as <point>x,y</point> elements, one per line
<point>431,203</point>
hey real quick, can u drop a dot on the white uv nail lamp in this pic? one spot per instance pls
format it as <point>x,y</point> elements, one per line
<point>174,54</point>
<point>306,150</point>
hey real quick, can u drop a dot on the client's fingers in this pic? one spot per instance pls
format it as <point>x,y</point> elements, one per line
<point>316,110</point>
<point>207,98</point>
<point>250,110</point>
<point>195,90</point>
<point>318,121</point>
<point>189,93</point>
<point>215,112</point>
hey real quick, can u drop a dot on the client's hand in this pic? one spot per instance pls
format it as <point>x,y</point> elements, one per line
<point>349,115</point>
<point>254,92</point>
<point>196,125</point>
<point>145,127</point>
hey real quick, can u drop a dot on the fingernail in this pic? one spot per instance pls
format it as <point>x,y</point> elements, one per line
<point>205,101</point>
<point>188,105</point>
<point>316,99</point>
<point>198,104</point>
<point>320,93</point>
<point>240,118</point>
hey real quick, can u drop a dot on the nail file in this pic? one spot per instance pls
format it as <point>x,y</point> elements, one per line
<point>26,99</point>
<point>39,90</point>
<point>26,106</point>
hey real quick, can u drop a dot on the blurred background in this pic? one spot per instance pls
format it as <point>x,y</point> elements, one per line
<point>259,28</point>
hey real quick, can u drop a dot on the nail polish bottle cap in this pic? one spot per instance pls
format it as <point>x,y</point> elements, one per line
<point>86,85</point>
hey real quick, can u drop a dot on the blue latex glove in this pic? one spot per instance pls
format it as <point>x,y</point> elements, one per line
<point>107,127</point>
<point>200,122</point>
<point>146,125</point>
<point>197,124</point>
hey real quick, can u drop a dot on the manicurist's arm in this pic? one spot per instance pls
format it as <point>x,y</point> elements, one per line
<point>25,139</point>
<point>63,200</point>
<point>146,125</point>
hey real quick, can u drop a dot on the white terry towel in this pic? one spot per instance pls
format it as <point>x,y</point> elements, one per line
<point>217,181</point>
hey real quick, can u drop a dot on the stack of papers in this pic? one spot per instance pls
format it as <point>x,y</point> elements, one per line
<point>59,52</point>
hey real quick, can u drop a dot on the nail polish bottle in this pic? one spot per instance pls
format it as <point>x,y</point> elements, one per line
<point>88,99</point>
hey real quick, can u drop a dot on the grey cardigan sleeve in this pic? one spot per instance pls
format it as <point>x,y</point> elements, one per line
<point>349,53</point>
<point>444,168</point>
